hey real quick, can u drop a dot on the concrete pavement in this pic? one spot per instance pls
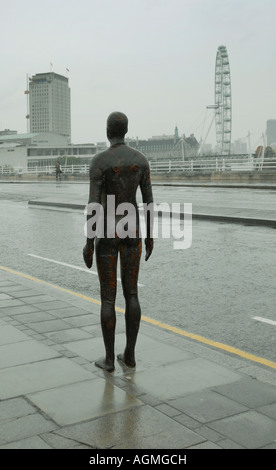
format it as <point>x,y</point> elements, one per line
<point>181,395</point>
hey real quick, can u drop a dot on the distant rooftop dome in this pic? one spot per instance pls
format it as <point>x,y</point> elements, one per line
<point>16,137</point>
<point>7,132</point>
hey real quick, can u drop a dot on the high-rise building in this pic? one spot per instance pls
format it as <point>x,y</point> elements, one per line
<point>271,131</point>
<point>49,104</point>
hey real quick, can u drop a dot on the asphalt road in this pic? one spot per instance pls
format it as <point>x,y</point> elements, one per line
<point>222,287</point>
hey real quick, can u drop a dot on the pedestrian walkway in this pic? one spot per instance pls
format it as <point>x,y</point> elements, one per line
<point>182,394</point>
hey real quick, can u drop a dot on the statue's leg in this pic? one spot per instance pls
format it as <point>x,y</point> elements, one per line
<point>130,254</point>
<point>107,257</point>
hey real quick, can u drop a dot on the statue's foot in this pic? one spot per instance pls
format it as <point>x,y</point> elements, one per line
<point>103,364</point>
<point>126,361</point>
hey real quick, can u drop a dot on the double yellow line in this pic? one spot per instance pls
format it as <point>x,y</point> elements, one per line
<point>173,329</point>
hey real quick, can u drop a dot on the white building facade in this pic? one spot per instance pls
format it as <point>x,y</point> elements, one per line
<point>38,150</point>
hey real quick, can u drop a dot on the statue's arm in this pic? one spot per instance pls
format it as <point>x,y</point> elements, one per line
<point>146,190</point>
<point>95,190</point>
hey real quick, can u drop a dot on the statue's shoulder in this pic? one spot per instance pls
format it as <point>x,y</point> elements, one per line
<point>139,157</point>
<point>98,159</point>
<point>97,166</point>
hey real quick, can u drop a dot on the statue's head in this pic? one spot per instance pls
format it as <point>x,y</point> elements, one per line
<point>117,125</point>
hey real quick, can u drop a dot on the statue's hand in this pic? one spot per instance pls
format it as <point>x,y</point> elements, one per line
<point>88,255</point>
<point>149,247</point>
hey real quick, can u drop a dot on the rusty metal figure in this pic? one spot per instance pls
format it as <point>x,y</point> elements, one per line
<point>118,172</point>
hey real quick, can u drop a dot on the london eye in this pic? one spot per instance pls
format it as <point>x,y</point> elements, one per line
<point>223,102</point>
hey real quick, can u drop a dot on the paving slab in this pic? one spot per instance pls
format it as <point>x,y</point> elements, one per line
<point>63,336</point>
<point>10,334</point>
<point>23,292</point>
<point>68,311</point>
<point>206,446</point>
<point>9,286</point>
<point>83,320</point>
<point>95,398</point>
<point>49,325</point>
<point>49,305</point>
<point>5,296</point>
<point>23,427</point>
<point>138,428</point>
<point>37,316</point>
<point>5,283</point>
<point>249,392</point>
<point>59,442</point>
<point>30,443</point>
<point>18,309</point>
<point>207,406</point>
<point>39,299</point>
<point>24,352</point>
<point>182,378</point>
<point>29,378</point>
<point>251,429</point>
<point>15,408</point>
<point>268,410</point>
<point>9,303</point>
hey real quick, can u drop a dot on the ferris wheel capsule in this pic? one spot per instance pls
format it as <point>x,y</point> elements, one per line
<point>223,101</point>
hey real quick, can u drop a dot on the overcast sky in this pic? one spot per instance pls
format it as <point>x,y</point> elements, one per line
<point>152,59</point>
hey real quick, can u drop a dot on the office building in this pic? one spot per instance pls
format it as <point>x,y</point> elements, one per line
<point>271,131</point>
<point>49,104</point>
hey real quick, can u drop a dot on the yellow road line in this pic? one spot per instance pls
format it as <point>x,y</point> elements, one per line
<point>201,339</point>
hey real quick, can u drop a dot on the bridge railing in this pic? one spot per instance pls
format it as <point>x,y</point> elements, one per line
<point>44,170</point>
<point>170,166</point>
<point>213,165</point>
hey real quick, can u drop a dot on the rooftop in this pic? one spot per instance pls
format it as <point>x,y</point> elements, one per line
<point>13,137</point>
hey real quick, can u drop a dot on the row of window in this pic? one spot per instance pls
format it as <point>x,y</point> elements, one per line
<point>150,148</point>
<point>61,151</point>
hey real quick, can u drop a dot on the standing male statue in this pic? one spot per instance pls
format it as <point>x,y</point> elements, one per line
<point>116,173</point>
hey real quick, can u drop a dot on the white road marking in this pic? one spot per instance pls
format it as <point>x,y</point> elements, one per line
<point>86,270</point>
<point>265,320</point>
<point>63,264</point>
